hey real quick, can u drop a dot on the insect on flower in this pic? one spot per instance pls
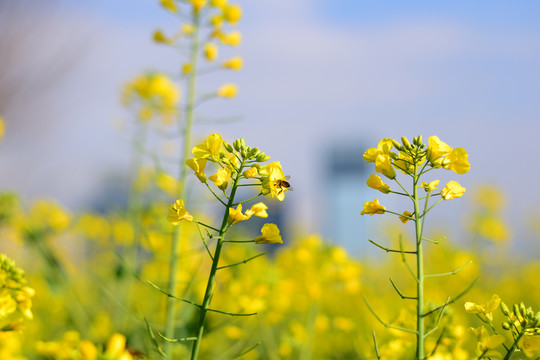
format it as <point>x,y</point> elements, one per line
<point>283,185</point>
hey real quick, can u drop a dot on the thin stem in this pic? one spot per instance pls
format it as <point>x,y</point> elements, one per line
<point>514,346</point>
<point>450,272</point>
<point>419,272</point>
<point>212,277</point>
<point>245,201</point>
<point>390,250</point>
<point>385,323</point>
<point>243,262</point>
<point>174,265</point>
<point>215,195</point>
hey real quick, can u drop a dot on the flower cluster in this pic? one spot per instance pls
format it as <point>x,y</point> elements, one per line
<point>71,347</point>
<point>217,16</point>
<point>235,163</point>
<point>156,95</point>
<point>522,322</point>
<point>232,160</point>
<point>414,160</point>
<point>15,296</point>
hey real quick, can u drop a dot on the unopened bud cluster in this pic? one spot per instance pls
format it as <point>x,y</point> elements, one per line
<point>521,319</point>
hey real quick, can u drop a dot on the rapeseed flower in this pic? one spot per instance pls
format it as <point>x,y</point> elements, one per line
<point>373,207</point>
<point>177,213</point>
<point>227,91</point>
<point>270,235</point>
<point>486,309</point>
<point>375,182</point>
<point>452,190</point>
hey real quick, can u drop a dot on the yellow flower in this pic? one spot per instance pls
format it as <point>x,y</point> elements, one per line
<point>375,182</point>
<point>221,178</point>
<point>258,209</point>
<point>210,52</point>
<point>530,345</point>
<point>273,181</point>
<point>232,13</point>
<point>430,186</point>
<point>169,5</point>
<point>187,68</point>
<point>250,173</point>
<point>167,183</point>
<point>177,213</point>
<point>384,147</point>
<point>2,127</point>
<point>373,207</point>
<point>487,343</point>
<point>187,29</point>
<point>234,63</point>
<point>88,350</point>
<point>227,91</point>
<point>270,235</point>
<point>493,228</point>
<point>233,38</point>
<point>197,4</point>
<point>218,3</point>
<point>210,148</point>
<point>116,348</point>
<point>198,166</point>
<point>235,215</point>
<point>406,216</point>
<point>457,161</point>
<point>383,165</point>
<point>437,149</point>
<point>159,37</point>
<point>486,309</point>
<point>452,190</point>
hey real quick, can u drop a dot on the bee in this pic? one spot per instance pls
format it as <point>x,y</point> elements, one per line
<point>283,185</point>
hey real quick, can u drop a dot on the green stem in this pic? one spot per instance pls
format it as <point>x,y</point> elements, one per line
<point>212,277</point>
<point>514,346</point>
<point>419,272</point>
<point>174,265</point>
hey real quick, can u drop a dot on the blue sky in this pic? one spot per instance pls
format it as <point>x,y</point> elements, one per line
<point>316,76</point>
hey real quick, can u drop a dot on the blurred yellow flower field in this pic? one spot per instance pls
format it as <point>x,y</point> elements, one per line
<point>185,271</point>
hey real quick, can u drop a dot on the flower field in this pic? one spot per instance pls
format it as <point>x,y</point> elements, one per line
<point>195,266</point>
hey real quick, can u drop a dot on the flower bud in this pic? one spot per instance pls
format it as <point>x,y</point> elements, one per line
<point>515,309</point>
<point>228,146</point>
<point>504,309</point>
<point>254,152</point>
<point>506,325</point>
<point>262,157</point>
<point>406,142</point>
<point>242,142</point>
<point>396,145</point>
<point>522,309</point>
<point>236,144</point>
<point>418,140</point>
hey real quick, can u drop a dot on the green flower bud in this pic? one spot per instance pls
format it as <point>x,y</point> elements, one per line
<point>397,145</point>
<point>265,191</point>
<point>258,166</point>
<point>419,140</point>
<point>506,325</point>
<point>516,309</point>
<point>242,142</point>
<point>236,144</point>
<point>504,309</point>
<point>228,146</point>
<point>254,152</point>
<point>522,309</point>
<point>262,157</point>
